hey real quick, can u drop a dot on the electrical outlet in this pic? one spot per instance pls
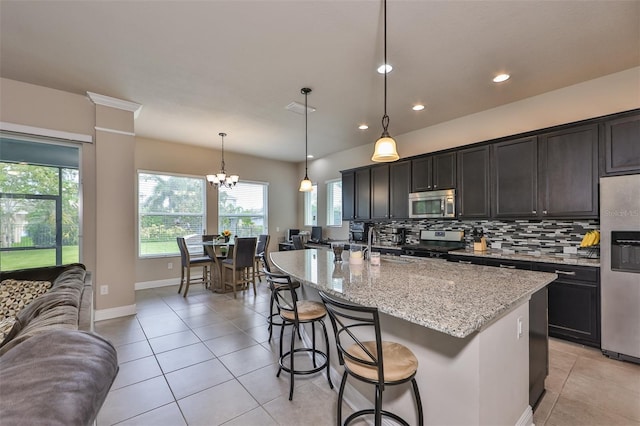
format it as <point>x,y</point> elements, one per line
<point>104,289</point>
<point>277,229</point>
<point>519,327</point>
<point>170,265</point>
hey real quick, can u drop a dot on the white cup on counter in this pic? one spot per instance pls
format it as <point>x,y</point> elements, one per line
<point>374,258</point>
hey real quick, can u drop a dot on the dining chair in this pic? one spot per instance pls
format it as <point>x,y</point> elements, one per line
<point>377,362</point>
<point>297,242</point>
<point>261,249</point>
<point>216,268</point>
<point>189,261</point>
<point>240,267</point>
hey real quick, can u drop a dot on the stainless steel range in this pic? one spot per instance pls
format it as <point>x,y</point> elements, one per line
<point>435,244</point>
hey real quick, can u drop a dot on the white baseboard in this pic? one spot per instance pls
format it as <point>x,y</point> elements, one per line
<point>158,283</point>
<point>120,311</point>
<point>526,419</point>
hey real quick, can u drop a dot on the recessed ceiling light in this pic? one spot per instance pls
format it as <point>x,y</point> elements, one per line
<point>418,107</point>
<point>309,155</point>
<point>384,68</point>
<point>500,78</point>
<point>363,127</point>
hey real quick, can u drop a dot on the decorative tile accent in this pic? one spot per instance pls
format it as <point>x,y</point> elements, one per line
<point>518,236</point>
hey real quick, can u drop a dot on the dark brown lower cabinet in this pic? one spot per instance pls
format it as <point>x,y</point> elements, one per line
<point>574,303</point>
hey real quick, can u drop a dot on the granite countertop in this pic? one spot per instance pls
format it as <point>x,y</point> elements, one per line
<point>543,258</point>
<point>453,298</point>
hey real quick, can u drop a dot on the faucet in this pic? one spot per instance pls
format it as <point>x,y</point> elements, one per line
<point>373,234</point>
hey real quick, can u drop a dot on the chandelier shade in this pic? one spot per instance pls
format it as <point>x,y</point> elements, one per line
<point>222,179</point>
<point>385,150</point>
<point>306,185</point>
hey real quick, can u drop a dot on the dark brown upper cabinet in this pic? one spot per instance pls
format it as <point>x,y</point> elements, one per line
<point>363,194</point>
<point>348,195</point>
<point>568,172</point>
<point>515,178</point>
<point>621,146</point>
<point>473,182</point>
<point>380,191</point>
<point>433,172</point>
<point>400,186</point>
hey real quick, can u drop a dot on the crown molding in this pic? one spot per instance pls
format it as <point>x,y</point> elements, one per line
<point>115,103</point>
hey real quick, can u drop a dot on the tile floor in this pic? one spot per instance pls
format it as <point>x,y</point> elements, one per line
<point>206,360</point>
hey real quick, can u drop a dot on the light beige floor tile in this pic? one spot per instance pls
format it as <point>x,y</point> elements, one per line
<point>569,412</point>
<point>217,405</point>
<point>194,310</point>
<point>136,371</point>
<point>248,321</point>
<point>212,331</point>
<point>130,351</point>
<point>204,319</point>
<point>198,377</point>
<point>120,331</point>
<point>154,308</point>
<point>230,343</point>
<point>543,410</point>
<point>574,348</point>
<point>602,394</point>
<point>561,360</point>
<point>309,406</point>
<point>256,417</point>
<point>156,326</point>
<point>173,341</point>
<point>264,386</point>
<point>183,357</point>
<point>248,359</point>
<point>130,401</point>
<point>167,415</point>
<point>621,373</point>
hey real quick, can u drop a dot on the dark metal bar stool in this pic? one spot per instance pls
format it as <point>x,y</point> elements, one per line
<point>296,312</point>
<point>279,282</point>
<point>376,362</point>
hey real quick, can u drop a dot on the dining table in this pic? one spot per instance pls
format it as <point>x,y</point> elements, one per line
<point>213,250</point>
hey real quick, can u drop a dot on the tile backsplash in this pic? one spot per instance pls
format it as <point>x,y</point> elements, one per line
<point>517,236</point>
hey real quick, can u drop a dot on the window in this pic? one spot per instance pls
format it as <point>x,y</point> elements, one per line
<point>243,209</point>
<point>39,202</point>
<point>334,202</point>
<point>169,206</point>
<point>311,206</point>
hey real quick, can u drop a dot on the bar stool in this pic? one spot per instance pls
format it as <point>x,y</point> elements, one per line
<point>376,362</point>
<point>295,312</point>
<point>279,282</point>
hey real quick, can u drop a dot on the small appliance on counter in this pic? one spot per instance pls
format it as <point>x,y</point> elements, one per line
<point>398,235</point>
<point>359,231</point>
<point>435,244</point>
<point>479,241</point>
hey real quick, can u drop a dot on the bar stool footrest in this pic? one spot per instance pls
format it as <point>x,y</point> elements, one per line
<point>373,411</point>
<point>300,350</point>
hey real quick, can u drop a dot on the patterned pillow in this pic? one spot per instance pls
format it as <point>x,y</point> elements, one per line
<point>16,294</point>
<point>5,327</point>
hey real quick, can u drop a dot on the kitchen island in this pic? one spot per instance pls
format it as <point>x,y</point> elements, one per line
<point>467,324</point>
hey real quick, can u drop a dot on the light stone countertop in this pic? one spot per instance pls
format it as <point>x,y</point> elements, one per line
<point>453,298</point>
<point>543,258</point>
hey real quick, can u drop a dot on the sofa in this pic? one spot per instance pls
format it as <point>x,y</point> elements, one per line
<point>54,369</point>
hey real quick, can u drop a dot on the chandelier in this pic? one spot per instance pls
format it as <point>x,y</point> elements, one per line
<point>385,150</point>
<point>221,179</point>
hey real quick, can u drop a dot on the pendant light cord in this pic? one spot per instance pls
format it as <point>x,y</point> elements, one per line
<point>385,117</point>
<point>222,135</point>
<point>306,136</point>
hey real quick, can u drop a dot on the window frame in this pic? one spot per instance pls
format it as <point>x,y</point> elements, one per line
<point>265,215</point>
<point>308,202</point>
<point>171,174</point>
<point>330,196</point>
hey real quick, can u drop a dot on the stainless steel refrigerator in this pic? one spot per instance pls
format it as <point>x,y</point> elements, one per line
<point>620,266</point>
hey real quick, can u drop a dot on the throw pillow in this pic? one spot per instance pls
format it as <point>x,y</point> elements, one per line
<point>16,294</point>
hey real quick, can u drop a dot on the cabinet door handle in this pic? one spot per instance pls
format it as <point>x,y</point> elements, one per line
<point>533,211</point>
<point>428,186</point>
<point>435,186</point>
<point>565,272</point>
<point>544,212</point>
<point>466,262</point>
<point>508,266</point>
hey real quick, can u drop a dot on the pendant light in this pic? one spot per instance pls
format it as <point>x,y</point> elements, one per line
<point>385,150</point>
<point>305,184</point>
<point>221,179</point>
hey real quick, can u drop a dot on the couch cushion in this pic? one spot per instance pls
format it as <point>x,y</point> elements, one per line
<point>57,378</point>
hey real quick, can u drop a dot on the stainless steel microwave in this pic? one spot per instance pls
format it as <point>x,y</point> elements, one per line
<point>432,204</point>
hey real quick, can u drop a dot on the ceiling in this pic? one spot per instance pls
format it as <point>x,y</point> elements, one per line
<point>204,67</point>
